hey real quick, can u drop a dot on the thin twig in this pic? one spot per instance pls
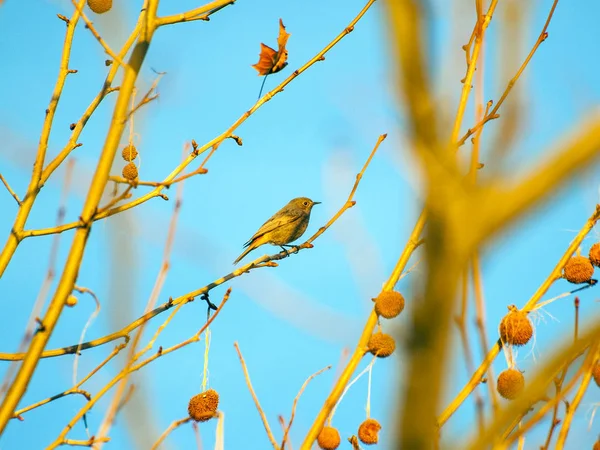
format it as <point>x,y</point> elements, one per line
<point>493,114</point>
<point>293,414</point>
<point>174,424</point>
<point>85,327</point>
<point>102,42</point>
<point>255,398</point>
<point>10,191</point>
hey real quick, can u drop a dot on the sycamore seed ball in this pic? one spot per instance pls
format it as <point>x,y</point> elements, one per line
<point>510,384</point>
<point>515,327</point>
<point>382,345</point>
<point>100,6</point>
<point>129,153</point>
<point>368,432</point>
<point>329,438</point>
<point>596,373</point>
<point>595,254</point>
<point>130,172</point>
<point>389,304</point>
<point>203,406</point>
<point>578,270</point>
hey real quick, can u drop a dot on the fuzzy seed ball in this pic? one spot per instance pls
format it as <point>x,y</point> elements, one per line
<point>71,301</point>
<point>329,438</point>
<point>515,327</point>
<point>368,431</point>
<point>389,304</point>
<point>595,254</point>
<point>596,373</point>
<point>510,383</point>
<point>203,406</point>
<point>578,269</point>
<point>382,345</point>
<point>100,6</point>
<point>129,153</point>
<point>130,172</point>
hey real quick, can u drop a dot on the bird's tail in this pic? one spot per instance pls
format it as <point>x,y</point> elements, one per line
<point>244,253</point>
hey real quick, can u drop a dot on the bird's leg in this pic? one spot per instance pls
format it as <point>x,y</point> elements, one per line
<point>295,247</point>
<point>285,250</point>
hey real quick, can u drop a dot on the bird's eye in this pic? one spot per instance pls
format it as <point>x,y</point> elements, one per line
<point>305,203</point>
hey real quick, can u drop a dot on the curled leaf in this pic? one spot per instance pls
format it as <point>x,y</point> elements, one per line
<point>271,61</point>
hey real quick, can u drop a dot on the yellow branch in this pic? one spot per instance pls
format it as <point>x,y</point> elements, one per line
<point>495,350</point>
<point>359,351</point>
<point>73,262</point>
<point>35,183</point>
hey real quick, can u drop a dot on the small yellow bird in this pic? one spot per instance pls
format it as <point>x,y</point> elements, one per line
<point>286,225</point>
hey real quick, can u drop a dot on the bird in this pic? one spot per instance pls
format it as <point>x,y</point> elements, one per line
<point>286,225</point>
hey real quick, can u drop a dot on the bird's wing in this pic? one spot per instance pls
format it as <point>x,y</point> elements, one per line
<point>286,217</point>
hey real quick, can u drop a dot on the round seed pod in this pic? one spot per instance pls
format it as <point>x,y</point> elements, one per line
<point>389,304</point>
<point>596,373</point>
<point>511,383</point>
<point>515,327</point>
<point>71,301</point>
<point>130,172</point>
<point>595,254</point>
<point>129,153</point>
<point>368,431</point>
<point>578,270</point>
<point>100,6</point>
<point>203,406</point>
<point>382,345</point>
<point>329,438</point>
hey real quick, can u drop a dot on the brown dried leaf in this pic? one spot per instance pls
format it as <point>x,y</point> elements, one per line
<point>271,61</point>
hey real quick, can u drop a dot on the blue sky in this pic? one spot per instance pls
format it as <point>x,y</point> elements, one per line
<point>308,141</point>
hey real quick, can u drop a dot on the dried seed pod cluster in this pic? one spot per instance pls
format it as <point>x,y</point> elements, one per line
<point>511,383</point>
<point>382,345</point>
<point>100,6</point>
<point>203,407</point>
<point>130,171</point>
<point>515,327</point>
<point>578,269</point>
<point>368,432</point>
<point>329,438</point>
<point>389,304</point>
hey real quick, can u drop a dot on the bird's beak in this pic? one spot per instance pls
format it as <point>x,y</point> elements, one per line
<point>316,203</point>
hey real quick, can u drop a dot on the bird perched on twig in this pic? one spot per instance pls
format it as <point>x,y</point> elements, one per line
<point>286,225</point>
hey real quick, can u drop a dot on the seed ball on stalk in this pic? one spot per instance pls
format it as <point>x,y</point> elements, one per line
<point>389,304</point>
<point>130,172</point>
<point>382,345</point>
<point>329,438</point>
<point>595,254</point>
<point>100,6</point>
<point>511,383</point>
<point>203,407</point>
<point>578,270</point>
<point>368,431</point>
<point>515,327</point>
<point>129,153</point>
